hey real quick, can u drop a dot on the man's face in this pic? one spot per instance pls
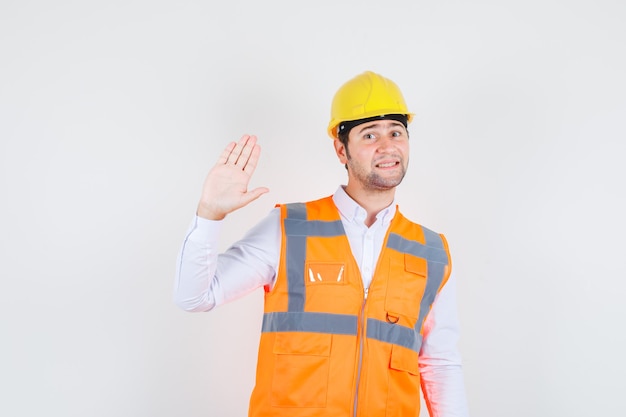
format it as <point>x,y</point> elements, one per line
<point>377,154</point>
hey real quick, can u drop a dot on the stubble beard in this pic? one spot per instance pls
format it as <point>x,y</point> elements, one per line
<point>374,182</point>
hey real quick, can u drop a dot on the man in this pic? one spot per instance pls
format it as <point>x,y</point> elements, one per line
<point>359,303</point>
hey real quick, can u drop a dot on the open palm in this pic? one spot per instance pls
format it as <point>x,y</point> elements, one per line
<point>225,188</point>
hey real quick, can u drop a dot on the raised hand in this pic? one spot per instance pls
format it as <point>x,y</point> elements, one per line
<point>225,188</point>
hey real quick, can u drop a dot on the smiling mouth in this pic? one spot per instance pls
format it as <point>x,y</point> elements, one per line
<point>387,164</point>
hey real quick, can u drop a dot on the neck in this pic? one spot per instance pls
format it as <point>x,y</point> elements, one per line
<point>373,201</point>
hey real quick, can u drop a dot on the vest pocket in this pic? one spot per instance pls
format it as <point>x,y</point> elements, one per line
<point>406,287</point>
<point>404,383</point>
<point>301,364</point>
<point>325,273</point>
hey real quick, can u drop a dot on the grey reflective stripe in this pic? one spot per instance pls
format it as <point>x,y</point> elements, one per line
<point>431,251</point>
<point>436,271</point>
<point>310,322</point>
<point>394,333</point>
<point>437,258</point>
<point>435,276</point>
<point>296,211</point>
<point>295,254</point>
<point>316,228</point>
<point>297,229</point>
<point>432,238</point>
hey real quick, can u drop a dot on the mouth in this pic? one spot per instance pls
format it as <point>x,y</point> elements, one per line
<point>390,164</point>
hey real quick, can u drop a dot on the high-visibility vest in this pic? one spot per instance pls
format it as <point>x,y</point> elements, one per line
<point>328,346</point>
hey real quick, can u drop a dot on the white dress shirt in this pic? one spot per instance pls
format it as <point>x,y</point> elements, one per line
<point>206,279</point>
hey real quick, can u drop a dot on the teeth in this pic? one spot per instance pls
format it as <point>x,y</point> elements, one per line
<point>387,165</point>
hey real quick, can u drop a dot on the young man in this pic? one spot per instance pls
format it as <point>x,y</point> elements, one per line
<point>359,303</point>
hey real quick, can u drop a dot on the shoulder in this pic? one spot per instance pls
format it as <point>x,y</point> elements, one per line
<point>418,232</point>
<point>414,226</point>
<point>307,209</point>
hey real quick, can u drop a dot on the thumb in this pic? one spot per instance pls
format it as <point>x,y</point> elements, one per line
<point>252,195</point>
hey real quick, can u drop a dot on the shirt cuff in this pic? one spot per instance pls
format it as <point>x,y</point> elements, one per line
<point>204,230</point>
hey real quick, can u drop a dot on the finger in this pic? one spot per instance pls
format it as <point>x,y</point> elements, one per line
<point>251,164</point>
<point>226,153</point>
<point>246,151</point>
<point>234,155</point>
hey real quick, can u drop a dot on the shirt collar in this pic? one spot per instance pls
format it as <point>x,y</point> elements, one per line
<point>353,212</point>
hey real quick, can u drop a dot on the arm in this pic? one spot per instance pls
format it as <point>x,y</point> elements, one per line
<point>440,360</point>
<point>205,279</point>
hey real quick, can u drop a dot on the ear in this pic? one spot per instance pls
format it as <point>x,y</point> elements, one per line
<point>341,151</point>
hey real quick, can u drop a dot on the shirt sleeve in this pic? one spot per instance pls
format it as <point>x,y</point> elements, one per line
<point>440,360</point>
<point>206,278</point>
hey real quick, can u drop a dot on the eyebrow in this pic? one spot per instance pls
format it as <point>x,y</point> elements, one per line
<point>392,123</point>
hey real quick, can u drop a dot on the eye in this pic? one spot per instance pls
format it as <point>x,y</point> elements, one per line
<point>396,134</point>
<point>369,136</point>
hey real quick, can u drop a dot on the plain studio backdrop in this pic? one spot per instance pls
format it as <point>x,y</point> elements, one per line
<point>112,112</point>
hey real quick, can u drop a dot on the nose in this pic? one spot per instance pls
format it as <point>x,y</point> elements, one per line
<point>386,142</point>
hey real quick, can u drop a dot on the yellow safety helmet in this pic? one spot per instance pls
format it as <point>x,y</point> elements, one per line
<point>364,96</point>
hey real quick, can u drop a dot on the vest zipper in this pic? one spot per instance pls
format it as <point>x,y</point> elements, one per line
<point>361,337</point>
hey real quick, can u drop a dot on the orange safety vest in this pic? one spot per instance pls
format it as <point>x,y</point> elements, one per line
<point>328,346</point>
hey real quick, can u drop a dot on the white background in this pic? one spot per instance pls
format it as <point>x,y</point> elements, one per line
<point>112,112</point>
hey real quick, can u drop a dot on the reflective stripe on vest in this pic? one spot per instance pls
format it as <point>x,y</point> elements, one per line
<point>297,230</point>
<point>437,259</point>
<point>310,322</point>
